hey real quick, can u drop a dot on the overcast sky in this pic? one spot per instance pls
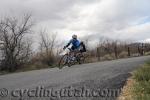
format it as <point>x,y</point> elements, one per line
<point>118,19</point>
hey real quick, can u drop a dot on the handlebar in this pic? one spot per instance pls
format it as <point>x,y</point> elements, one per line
<point>69,49</point>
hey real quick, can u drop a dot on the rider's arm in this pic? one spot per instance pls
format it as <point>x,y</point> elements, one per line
<point>69,43</point>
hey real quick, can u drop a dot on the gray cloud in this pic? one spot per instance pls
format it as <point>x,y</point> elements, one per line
<point>111,18</point>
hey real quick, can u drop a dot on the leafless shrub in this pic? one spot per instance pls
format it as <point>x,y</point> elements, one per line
<point>15,49</point>
<point>47,47</point>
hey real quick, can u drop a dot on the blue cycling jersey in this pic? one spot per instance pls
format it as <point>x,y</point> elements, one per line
<point>75,43</point>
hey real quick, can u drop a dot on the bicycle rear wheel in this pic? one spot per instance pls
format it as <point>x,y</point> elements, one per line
<point>80,58</point>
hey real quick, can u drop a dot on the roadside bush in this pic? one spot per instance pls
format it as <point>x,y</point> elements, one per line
<point>48,60</point>
<point>108,57</point>
<point>123,54</point>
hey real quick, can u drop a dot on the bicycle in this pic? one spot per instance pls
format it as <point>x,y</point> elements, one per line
<point>69,59</point>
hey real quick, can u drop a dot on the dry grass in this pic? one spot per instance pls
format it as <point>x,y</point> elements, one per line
<point>123,54</point>
<point>108,57</point>
<point>147,53</point>
<point>138,86</point>
<point>127,90</point>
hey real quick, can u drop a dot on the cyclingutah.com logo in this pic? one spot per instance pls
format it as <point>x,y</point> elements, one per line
<point>41,91</point>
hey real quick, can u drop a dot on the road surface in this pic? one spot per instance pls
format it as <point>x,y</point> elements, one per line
<point>94,81</point>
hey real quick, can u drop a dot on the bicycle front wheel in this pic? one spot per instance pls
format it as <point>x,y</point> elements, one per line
<point>64,61</point>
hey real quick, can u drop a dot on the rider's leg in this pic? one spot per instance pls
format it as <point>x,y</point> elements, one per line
<point>73,48</point>
<point>73,53</point>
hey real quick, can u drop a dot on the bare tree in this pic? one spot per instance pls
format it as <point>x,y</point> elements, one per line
<point>47,42</point>
<point>100,47</point>
<point>47,46</point>
<point>59,47</point>
<point>13,33</point>
<point>44,42</point>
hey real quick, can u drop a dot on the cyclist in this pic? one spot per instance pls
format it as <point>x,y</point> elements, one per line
<point>76,48</point>
<point>75,43</point>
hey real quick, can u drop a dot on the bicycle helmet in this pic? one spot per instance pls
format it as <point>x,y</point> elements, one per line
<point>74,36</point>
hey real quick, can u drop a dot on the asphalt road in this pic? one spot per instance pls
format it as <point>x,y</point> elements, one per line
<point>94,81</point>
